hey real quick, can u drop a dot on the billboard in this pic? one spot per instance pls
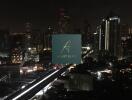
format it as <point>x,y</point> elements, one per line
<point>66,49</point>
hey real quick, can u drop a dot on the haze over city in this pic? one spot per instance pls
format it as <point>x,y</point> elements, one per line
<point>65,50</point>
<point>14,14</point>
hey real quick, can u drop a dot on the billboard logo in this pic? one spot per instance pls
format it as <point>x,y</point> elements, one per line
<point>66,48</point>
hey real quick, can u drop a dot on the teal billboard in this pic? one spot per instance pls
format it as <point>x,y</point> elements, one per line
<point>66,49</point>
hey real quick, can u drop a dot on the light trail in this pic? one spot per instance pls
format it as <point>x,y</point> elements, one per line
<point>18,96</point>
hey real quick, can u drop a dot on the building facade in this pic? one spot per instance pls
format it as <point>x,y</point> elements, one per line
<point>126,39</point>
<point>109,35</point>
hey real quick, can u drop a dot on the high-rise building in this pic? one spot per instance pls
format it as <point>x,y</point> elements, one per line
<point>63,23</point>
<point>126,38</point>
<point>17,43</point>
<point>4,40</point>
<point>37,39</point>
<point>47,37</point>
<point>130,30</point>
<point>4,46</point>
<point>28,31</point>
<point>87,36</point>
<point>109,35</point>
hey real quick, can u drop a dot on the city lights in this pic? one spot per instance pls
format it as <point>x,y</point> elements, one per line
<point>64,49</point>
<point>29,49</point>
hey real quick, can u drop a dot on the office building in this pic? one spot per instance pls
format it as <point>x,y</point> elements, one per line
<point>126,38</point>
<point>109,35</point>
<point>17,43</point>
<point>63,21</point>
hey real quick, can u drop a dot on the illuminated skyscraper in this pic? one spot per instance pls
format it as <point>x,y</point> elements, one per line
<point>31,43</point>
<point>109,35</point>
<point>17,43</point>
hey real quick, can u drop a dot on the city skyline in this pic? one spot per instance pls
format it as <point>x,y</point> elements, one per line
<point>65,49</point>
<point>14,14</point>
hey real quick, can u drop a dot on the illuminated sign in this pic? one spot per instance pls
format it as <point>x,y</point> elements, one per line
<point>66,49</point>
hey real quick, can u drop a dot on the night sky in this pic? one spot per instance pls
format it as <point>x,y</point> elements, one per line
<point>41,13</point>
